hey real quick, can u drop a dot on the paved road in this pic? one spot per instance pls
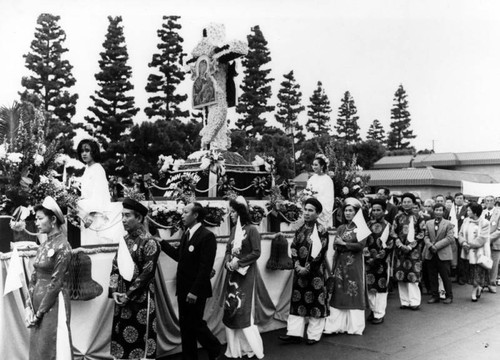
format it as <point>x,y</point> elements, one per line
<point>461,331</point>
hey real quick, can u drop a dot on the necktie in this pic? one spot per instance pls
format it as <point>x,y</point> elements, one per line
<point>186,234</point>
<point>488,216</point>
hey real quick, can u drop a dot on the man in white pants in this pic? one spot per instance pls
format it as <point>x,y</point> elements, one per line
<point>309,303</point>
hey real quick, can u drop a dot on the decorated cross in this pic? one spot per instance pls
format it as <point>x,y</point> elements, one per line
<point>213,70</point>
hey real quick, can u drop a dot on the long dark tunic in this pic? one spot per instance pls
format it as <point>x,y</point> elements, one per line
<point>376,257</point>
<point>309,295</point>
<point>50,276</point>
<point>348,272</point>
<point>130,320</point>
<point>408,266</point>
<point>240,288</point>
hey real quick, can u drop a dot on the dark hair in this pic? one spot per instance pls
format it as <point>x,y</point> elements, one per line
<point>314,202</point>
<point>241,210</point>
<point>379,202</point>
<point>476,208</point>
<point>387,192</point>
<point>200,210</point>
<point>448,198</point>
<point>458,194</point>
<point>410,196</point>
<point>439,205</point>
<point>438,195</point>
<point>322,163</point>
<point>48,213</point>
<point>94,149</point>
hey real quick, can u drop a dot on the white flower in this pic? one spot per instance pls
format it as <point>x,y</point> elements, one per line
<point>177,164</point>
<point>38,159</point>
<point>62,159</point>
<point>205,163</point>
<point>75,164</point>
<point>15,158</point>
<point>345,190</point>
<point>197,155</point>
<point>3,151</point>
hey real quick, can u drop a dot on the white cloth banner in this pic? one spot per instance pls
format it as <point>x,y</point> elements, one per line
<point>480,189</point>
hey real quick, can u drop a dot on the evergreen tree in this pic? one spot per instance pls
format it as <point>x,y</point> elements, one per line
<point>252,103</point>
<point>347,122</point>
<point>319,110</point>
<point>400,126</point>
<point>113,110</point>
<point>376,132</point>
<point>48,87</point>
<point>163,85</point>
<point>289,109</point>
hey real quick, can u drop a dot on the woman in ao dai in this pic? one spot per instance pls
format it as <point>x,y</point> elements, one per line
<point>321,186</point>
<point>243,250</point>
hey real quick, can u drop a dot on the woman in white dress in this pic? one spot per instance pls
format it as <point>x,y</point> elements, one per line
<point>95,196</point>
<point>321,186</point>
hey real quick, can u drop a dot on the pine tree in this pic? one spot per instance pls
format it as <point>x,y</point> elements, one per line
<point>252,103</point>
<point>48,87</point>
<point>347,122</point>
<point>289,109</point>
<point>319,118</point>
<point>163,85</point>
<point>376,132</point>
<point>113,110</point>
<point>400,125</point>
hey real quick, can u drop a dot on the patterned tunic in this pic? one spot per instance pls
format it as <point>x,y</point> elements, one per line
<point>130,321</point>
<point>239,291</point>
<point>408,266</point>
<point>309,296</point>
<point>50,276</point>
<point>376,257</point>
<point>348,272</point>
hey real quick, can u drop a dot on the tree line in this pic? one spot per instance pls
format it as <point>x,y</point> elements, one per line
<point>130,147</point>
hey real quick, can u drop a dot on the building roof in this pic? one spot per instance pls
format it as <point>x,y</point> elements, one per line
<point>423,177</point>
<point>439,159</point>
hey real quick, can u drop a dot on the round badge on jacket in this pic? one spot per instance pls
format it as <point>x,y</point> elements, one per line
<point>191,248</point>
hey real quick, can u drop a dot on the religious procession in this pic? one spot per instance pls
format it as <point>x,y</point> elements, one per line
<point>191,236</point>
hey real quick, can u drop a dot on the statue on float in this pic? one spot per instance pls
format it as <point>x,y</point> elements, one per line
<point>213,71</point>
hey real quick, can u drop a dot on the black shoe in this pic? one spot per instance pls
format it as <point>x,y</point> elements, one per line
<point>377,321</point>
<point>447,301</point>
<point>461,282</point>
<point>312,342</point>
<point>404,307</point>
<point>370,317</point>
<point>433,300</point>
<point>415,308</point>
<point>290,339</point>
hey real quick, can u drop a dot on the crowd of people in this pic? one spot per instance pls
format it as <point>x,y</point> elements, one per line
<point>415,247</point>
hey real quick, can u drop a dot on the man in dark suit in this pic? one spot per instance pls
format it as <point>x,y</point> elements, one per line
<point>438,240</point>
<point>391,209</point>
<point>195,256</point>
<point>461,214</point>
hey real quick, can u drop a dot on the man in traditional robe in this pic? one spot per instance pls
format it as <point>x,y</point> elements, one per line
<point>378,251</point>
<point>309,296</point>
<point>135,314</point>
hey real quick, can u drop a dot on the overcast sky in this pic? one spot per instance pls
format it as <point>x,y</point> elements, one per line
<point>445,53</point>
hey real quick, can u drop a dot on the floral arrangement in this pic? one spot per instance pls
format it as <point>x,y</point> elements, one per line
<point>214,216</point>
<point>183,185</point>
<point>266,163</point>
<point>257,213</point>
<point>166,216</point>
<point>261,186</point>
<point>49,185</point>
<point>168,164</point>
<point>211,160</point>
<point>290,211</point>
<point>306,194</point>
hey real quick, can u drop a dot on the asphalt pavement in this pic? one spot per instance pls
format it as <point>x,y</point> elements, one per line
<point>461,331</point>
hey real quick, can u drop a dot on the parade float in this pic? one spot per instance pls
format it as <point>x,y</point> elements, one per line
<point>210,176</point>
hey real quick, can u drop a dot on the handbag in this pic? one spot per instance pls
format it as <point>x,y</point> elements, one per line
<point>485,262</point>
